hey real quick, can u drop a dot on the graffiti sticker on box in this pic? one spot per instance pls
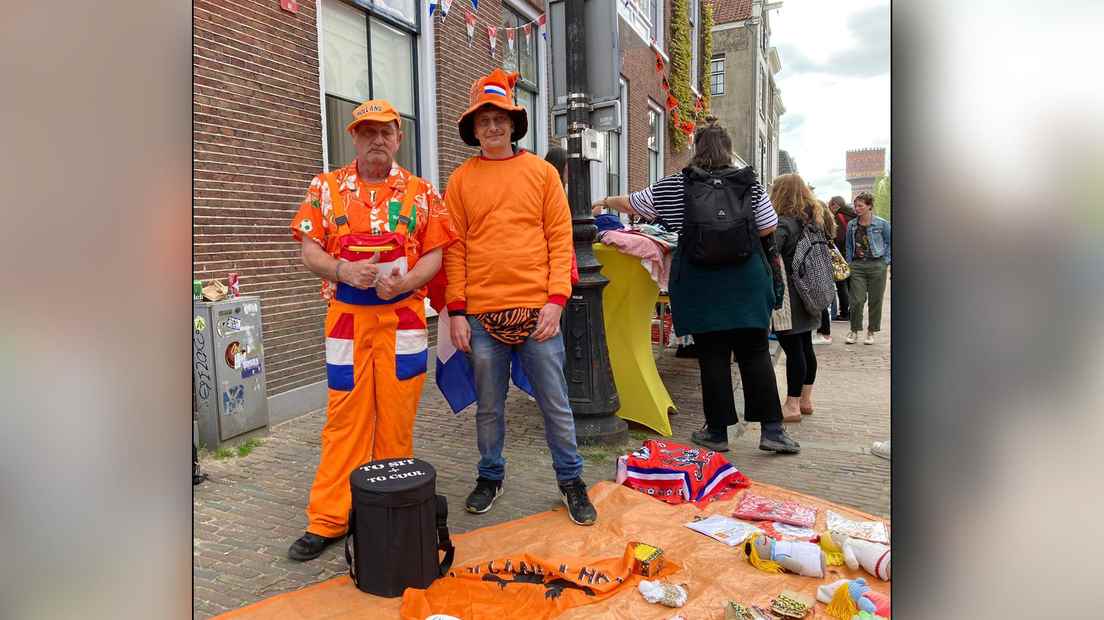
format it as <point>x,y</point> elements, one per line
<point>250,367</point>
<point>233,400</point>
<point>250,308</point>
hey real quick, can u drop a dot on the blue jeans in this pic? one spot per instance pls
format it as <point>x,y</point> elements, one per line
<point>544,366</point>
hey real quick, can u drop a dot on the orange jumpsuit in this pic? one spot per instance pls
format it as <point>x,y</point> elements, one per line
<point>376,351</point>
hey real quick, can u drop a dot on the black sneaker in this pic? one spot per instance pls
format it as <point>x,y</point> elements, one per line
<point>310,546</point>
<point>779,442</point>
<point>579,508</point>
<point>483,497</point>
<point>714,440</point>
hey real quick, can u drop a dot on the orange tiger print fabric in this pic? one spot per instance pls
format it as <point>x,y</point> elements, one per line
<point>511,326</point>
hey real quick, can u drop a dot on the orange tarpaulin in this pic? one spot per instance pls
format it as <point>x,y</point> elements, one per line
<point>714,572</point>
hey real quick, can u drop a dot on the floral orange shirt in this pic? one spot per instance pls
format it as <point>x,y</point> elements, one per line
<point>366,205</point>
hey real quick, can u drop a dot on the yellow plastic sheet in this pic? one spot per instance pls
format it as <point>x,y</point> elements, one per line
<point>628,302</point>
<point>714,572</point>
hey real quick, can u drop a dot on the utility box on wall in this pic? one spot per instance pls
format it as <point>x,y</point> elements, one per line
<point>228,369</point>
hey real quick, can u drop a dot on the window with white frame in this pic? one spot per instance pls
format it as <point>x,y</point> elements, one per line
<point>763,158</point>
<point>655,142</point>
<point>717,75</point>
<point>763,86</point>
<point>616,148</point>
<point>695,43</point>
<point>644,17</point>
<point>523,60</point>
<point>655,19</point>
<point>369,55</point>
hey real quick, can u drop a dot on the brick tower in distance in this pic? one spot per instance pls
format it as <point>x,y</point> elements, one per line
<point>864,166</point>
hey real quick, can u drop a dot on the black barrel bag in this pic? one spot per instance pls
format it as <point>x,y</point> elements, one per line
<point>397,525</point>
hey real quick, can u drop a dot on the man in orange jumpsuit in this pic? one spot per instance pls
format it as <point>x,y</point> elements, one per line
<point>375,234</point>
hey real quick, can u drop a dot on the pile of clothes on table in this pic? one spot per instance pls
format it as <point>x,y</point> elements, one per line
<point>651,243</point>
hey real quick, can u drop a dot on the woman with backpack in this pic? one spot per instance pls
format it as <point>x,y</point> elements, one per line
<point>721,284</point>
<point>799,213</point>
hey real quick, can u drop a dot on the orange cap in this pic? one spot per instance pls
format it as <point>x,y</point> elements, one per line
<point>378,110</point>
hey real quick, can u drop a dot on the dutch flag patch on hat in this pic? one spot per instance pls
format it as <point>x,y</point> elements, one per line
<point>491,89</point>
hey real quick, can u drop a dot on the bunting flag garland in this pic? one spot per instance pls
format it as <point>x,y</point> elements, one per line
<point>672,103</point>
<point>659,63</point>
<point>511,33</point>
<point>666,85</point>
<point>469,21</point>
<point>492,36</point>
<point>432,7</point>
<point>475,5</point>
<point>699,104</point>
<point>540,24</point>
<point>446,5</point>
<point>687,127</point>
<point>528,30</point>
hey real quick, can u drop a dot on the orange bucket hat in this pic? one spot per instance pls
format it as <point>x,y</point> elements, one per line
<point>496,89</point>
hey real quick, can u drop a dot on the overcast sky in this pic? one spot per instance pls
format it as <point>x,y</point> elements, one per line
<point>834,83</point>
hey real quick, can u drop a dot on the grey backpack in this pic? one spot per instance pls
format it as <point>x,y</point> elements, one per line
<point>811,270</point>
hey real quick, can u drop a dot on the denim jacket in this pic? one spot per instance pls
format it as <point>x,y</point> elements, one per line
<point>879,234</point>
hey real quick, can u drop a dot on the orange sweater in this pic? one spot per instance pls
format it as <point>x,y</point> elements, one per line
<point>514,247</point>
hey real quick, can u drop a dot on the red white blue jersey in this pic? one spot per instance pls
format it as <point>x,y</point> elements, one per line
<point>675,473</point>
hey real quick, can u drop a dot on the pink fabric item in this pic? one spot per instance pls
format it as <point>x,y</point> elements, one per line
<point>656,262</point>
<point>757,508</point>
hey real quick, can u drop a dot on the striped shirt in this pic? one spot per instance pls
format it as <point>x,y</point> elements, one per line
<point>664,202</point>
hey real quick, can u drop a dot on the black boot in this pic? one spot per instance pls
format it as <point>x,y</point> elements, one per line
<point>775,439</point>
<point>713,439</point>
<point>310,546</point>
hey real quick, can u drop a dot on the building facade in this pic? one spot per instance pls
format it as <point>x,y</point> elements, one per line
<point>786,164</point>
<point>864,167</point>
<point>745,97</point>
<point>274,84</point>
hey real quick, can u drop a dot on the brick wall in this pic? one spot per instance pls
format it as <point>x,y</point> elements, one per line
<point>258,141</point>
<point>638,69</point>
<point>865,163</point>
<point>458,66</point>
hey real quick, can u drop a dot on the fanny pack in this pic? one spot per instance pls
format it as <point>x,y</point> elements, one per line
<point>388,247</point>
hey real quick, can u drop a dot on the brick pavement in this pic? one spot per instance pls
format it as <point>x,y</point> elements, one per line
<point>251,509</point>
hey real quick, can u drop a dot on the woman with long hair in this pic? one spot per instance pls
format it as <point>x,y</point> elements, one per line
<point>726,307</point>
<point>828,225</point>
<point>841,215</point>
<point>797,208</point>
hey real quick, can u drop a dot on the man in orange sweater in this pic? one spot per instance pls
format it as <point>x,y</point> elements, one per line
<point>509,276</point>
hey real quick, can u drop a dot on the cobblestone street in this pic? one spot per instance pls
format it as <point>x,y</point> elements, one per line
<point>252,507</point>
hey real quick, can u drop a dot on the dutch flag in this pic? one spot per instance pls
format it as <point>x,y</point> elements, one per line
<point>491,89</point>
<point>411,347</point>
<point>455,377</point>
<point>339,354</point>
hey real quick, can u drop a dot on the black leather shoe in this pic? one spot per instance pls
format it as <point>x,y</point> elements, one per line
<point>310,546</point>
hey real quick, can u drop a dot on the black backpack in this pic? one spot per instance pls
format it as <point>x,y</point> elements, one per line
<point>718,226</point>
